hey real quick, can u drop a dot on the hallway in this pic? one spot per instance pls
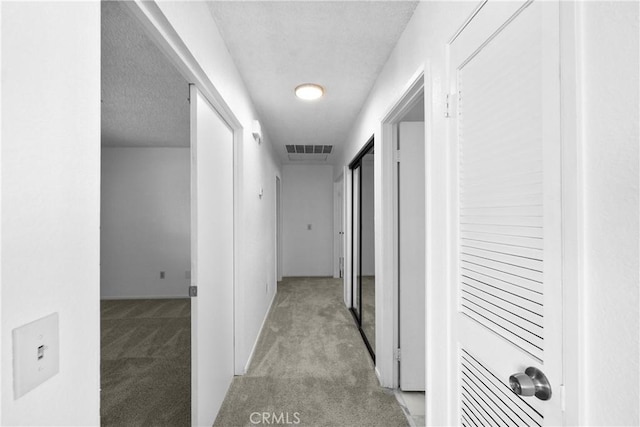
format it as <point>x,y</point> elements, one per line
<point>455,212</point>
<point>310,365</point>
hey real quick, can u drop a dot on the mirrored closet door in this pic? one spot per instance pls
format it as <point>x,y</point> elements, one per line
<point>363,245</point>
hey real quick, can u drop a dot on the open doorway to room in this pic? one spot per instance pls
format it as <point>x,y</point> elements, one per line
<point>404,131</point>
<point>145,229</point>
<point>168,202</point>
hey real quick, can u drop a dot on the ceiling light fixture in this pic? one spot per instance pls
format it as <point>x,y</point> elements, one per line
<point>309,91</point>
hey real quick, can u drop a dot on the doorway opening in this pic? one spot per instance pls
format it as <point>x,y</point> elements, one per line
<point>410,246</point>
<point>150,102</point>
<point>404,141</point>
<point>363,301</point>
<point>145,228</point>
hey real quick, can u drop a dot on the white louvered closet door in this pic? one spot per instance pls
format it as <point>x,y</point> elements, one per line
<point>507,214</point>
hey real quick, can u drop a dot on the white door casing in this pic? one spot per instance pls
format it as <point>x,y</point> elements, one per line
<point>212,249</point>
<point>506,179</point>
<point>411,244</point>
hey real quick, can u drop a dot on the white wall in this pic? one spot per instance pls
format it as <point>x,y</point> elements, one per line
<point>610,130</point>
<point>608,59</point>
<point>307,198</point>
<point>145,223</point>
<point>257,167</point>
<point>50,201</point>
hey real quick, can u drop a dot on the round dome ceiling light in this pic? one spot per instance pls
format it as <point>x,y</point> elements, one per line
<point>309,91</point>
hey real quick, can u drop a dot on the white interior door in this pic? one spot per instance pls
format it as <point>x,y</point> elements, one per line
<point>508,302</point>
<point>338,229</point>
<point>411,255</point>
<point>211,259</point>
<point>278,231</point>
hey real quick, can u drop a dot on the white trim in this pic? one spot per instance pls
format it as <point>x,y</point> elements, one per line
<point>348,209</point>
<point>408,97</point>
<point>255,344</point>
<point>573,213</point>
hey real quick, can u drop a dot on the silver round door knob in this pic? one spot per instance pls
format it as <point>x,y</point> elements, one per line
<point>531,382</point>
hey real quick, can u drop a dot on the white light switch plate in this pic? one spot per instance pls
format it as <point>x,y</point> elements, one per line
<point>35,354</point>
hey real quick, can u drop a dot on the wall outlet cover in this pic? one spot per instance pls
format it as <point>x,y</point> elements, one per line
<point>35,354</point>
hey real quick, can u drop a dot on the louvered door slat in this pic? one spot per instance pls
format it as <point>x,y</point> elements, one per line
<point>514,250</point>
<point>522,411</point>
<point>524,242</point>
<point>512,313</point>
<point>505,192</point>
<point>483,402</point>
<point>513,210</point>
<point>524,298</point>
<point>516,308</point>
<point>490,398</point>
<point>503,257</point>
<point>503,230</point>
<point>498,218</point>
<point>500,161</point>
<point>507,282</point>
<point>511,267</point>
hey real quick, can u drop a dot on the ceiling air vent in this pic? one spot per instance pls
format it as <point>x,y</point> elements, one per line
<point>308,152</point>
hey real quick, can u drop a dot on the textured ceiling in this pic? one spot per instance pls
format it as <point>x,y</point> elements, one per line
<point>144,98</point>
<point>341,45</point>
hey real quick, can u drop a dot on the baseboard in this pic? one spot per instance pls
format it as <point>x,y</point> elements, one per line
<point>379,377</point>
<point>143,297</point>
<point>255,344</point>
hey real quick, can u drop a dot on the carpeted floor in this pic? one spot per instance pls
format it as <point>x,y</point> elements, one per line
<point>146,362</point>
<point>310,367</point>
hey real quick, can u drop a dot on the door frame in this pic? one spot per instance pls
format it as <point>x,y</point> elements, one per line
<point>418,85</point>
<point>160,30</point>
<point>573,189</point>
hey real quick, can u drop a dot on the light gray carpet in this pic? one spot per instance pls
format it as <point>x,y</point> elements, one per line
<point>146,362</point>
<point>310,361</point>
